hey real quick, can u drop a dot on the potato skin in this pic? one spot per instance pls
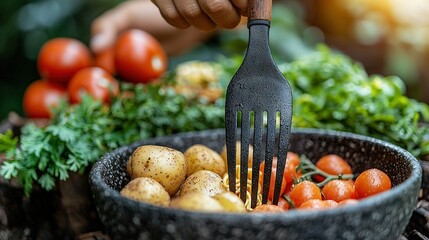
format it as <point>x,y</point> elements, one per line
<point>203,181</point>
<point>197,202</point>
<point>146,190</point>
<point>230,202</point>
<point>200,157</point>
<point>163,164</point>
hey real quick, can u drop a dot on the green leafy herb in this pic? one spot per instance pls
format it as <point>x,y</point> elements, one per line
<point>81,133</point>
<point>331,91</point>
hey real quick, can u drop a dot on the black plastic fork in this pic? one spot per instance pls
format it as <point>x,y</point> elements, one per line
<point>258,91</point>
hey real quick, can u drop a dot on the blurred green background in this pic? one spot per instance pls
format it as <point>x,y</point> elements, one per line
<point>388,37</point>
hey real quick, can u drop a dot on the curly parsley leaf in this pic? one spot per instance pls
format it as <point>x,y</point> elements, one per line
<point>80,134</point>
<point>331,91</point>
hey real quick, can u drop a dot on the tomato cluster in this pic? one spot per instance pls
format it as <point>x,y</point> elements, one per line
<point>68,70</point>
<point>328,183</point>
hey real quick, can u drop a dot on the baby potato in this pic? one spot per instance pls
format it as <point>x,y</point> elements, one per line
<point>230,202</point>
<point>203,181</point>
<point>197,202</point>
<point>200,157</point>
<point>165,165</point>
<point>146,190</point>
<point>238,154</point>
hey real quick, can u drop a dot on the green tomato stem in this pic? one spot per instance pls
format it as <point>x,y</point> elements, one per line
<point>310,170</point>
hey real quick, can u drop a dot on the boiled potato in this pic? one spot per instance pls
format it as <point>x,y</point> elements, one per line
<point>200,157</point>
<point>238,154</point>
<point>146,190</point>
<point>197,202</point>
<point>203,181</point>
<point>230,202</point>
<point>165,165</point>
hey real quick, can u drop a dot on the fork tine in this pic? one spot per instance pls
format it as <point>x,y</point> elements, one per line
<point>269,153</point>
<point>245,136</point>
<point>257,156</point>
<point>231,148</point>
<point>283,145</point>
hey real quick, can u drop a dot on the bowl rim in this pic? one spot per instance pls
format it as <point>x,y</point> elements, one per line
<point>370,202</point>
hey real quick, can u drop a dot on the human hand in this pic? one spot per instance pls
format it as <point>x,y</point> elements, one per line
<point>144,15</point>
<point>202,14</point>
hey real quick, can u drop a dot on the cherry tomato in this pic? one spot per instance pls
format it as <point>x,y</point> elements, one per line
<point>139,57</point>
<point>106,61</point>
<point>272,179</point>
<point>371,182</point>
<point>60,58</point>
<point>332,164</point>
<point>95,82</point>
<point>40,96</point>
<point>283,203</point>
<point>290,172</point>
<point>288,189</point>
<point>292,163</point>
<point>293,158</point>
<point>318,204</point>
<point>331,203</point>
<point>304,191</point>
<point>339,190</point>
<point>268,208</point>
<point>347,202</point>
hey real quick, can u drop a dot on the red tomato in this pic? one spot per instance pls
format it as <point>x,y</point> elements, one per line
<point>283,203</point>
<point>339,190</point>
<point>106,61</point>
<point>304,191</point>
<point>293,158</point>
<point>272,179</point>
<point>60,58</point>
<point>348,202</point>
<point>331,203</point>
<point>40,96</point>
<point>332,164</point>
<point>371,182</point>
<point>318,204</point>
<point>139,57</point>
<point>292,163</point>
<point>288,189</point>
<point>95,82</point>
<point>268,208</point>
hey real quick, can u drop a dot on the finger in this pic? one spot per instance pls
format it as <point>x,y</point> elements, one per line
<point>102,36</point>
<point>241,5</point>
<point>194,15</point>
<point>105,29</point>
<point>221,12</point>
<point>170,13</point>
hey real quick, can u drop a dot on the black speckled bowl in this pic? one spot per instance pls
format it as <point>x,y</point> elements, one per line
<point>383,216</point>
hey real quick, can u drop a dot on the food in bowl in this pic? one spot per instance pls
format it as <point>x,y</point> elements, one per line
<point>382,216</point>
<point>158,173</point>
<point>163,164</point>
<point>146,190</point>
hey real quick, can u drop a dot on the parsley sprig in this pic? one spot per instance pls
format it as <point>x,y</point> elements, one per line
<point>329,91</point>
<point>80,134</point>
<point>332,91</point>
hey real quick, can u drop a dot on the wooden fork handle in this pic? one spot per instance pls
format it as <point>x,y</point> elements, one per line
<point>260,9</point>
